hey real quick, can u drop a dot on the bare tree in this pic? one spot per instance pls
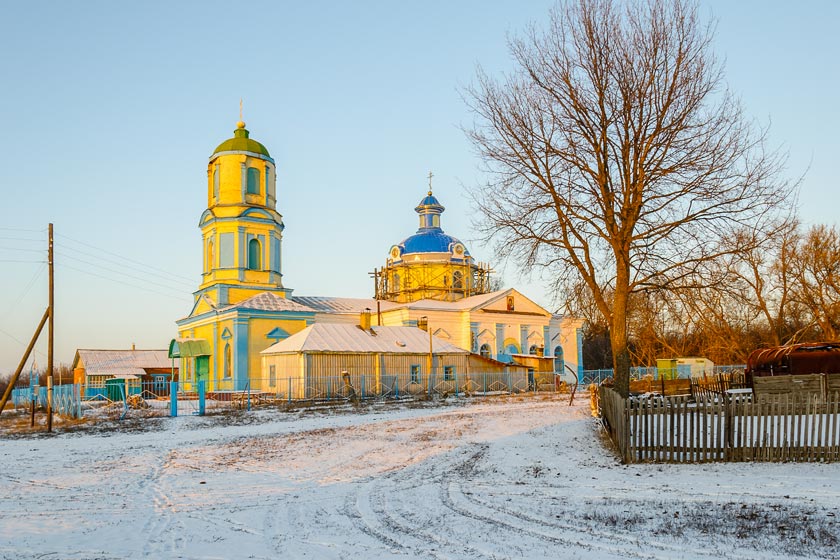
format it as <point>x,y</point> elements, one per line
<point>615,155</point>
<point>815,268</point>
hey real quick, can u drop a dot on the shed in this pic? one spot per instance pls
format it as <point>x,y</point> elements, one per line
<point>151,369</point>
<point>377,360</point>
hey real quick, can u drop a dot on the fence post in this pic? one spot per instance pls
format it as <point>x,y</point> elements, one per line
<point>173,399</point>
<point>201,393</point>
<point>290,389</point>
<point>455,375</point>
<point>728,440</point>
<point>625,431</point>
<point>249,395</point>
<point>77,394</point>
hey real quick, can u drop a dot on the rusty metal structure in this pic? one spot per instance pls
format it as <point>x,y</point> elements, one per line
<point>796,359</point>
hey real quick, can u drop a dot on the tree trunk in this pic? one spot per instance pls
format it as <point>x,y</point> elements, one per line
<point>621,353</point>
<point>618,335</point>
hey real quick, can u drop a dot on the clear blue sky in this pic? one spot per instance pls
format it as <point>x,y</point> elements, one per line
<point>111,109</point>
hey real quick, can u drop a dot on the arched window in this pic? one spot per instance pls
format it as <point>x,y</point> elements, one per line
<point>227,361</point>
<point>558,359</point>
<point>396,282</point>
<point>209,255</point>
<point>254,252</point>
<point>533,350</point>
<point>458,280</point>
<point>485,350</point>
<point>216,182</point>
<point>511,349</point>
<point>253,180</point>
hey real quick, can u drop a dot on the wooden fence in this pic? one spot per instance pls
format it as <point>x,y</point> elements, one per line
<point>785,427</point>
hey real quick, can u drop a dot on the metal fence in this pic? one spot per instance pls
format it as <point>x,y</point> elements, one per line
<point>137,399</point>
<point>596,376</point>
<point>67,399</point>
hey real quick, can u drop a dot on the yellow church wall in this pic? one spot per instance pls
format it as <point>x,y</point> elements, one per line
<point>230,179</point>
<point>258,330</point>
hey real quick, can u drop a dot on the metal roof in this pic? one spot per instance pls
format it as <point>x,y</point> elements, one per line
<point>108,361</point>
<point>341,305</point>
<point>269,301</point>
<point>189,348</point>
<point>241,142</point>
<point>429,240</point>
<point>123,372</point>
<point>338,337</point>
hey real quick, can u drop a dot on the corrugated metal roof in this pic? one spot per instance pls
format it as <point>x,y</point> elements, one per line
<point>337,337</point>
<point>269,301</point>
<point>108,361</point>
<point>121,372</point>
<point>189,348</point>
<point>464,304</point>
<point>341,305</point>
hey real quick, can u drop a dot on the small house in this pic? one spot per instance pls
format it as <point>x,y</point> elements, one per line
<point>329,358</point>
<point>139,371</point>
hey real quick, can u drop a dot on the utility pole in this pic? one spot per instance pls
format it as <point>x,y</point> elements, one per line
<point>50,335</point>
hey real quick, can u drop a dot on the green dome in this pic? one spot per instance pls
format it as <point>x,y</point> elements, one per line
<point>241,143</point>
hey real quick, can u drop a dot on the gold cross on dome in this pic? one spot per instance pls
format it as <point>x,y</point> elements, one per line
<point>430,183</point>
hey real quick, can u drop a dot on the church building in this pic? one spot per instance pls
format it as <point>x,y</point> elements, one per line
<point>429,279</point>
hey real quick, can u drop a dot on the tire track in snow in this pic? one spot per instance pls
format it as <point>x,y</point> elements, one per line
<point>163,529</point>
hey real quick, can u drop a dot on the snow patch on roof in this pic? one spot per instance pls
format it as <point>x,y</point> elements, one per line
<point>340,337</point>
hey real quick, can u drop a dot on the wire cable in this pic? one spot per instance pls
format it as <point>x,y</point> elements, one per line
<point>26,289</point>
<point>114,271</point>
<point>125,258</point>
<point>176,279</point>
<point>129,284</point>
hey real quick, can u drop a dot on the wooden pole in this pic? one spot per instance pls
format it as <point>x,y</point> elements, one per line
<point>50,334</point>
<point>29,348</point>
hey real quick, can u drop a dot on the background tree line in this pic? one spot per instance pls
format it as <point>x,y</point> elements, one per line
<point>780,289</point>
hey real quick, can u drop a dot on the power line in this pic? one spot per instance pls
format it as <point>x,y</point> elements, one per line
<point>114,271</point>
<point>31,240</point>
<point>23,229</point>
<point>83,271</point>
<point>19,261</point>
<point>117,263</point>
<point>16,339</point>
<point>191,280</point>
<point>26,289</point>
<point>21,249</point>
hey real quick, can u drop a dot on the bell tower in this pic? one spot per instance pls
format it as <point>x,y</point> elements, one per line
<point>241,230</point>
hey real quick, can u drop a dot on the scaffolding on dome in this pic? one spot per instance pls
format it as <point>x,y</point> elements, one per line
<point>404,282</point>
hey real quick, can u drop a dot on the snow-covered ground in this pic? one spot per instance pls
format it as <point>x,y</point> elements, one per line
<point>513,477</point>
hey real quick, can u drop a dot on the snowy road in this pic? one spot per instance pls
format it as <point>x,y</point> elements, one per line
<point>503,478</point>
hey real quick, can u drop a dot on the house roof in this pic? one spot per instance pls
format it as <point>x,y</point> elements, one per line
<point>337,337</point>
<point>121,361</point>
<point>341,305</point>
<point>269,301</point>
